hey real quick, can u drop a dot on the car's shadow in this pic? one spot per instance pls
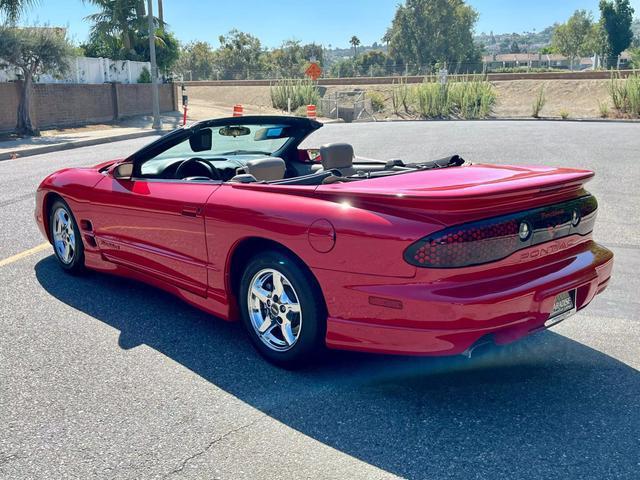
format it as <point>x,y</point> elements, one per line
<point>548,407</point>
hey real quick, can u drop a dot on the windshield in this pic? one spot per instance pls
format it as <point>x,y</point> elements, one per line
<point>235,140</point>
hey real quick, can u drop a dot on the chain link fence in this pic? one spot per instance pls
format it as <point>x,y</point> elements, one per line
<point>349,106</point>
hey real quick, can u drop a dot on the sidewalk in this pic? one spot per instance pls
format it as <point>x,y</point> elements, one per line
<point>135,127</point>
<point>63,139</point>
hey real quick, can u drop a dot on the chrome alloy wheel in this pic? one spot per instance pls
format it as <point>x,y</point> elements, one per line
<point>64,235</point>
<point>274,310</point>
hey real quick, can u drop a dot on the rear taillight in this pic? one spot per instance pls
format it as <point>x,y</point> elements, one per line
<point>496,238</point>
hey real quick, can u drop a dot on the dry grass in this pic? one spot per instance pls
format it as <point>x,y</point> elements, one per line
<point>583,98</point>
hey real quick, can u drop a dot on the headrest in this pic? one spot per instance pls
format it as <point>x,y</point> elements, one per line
<point>264,169</point>
<point>336,155</point>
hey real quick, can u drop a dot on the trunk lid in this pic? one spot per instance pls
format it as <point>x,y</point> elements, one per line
<point>464,191</point>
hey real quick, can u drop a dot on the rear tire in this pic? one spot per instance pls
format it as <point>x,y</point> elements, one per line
<point>66,238</point>
<point>282,309</point>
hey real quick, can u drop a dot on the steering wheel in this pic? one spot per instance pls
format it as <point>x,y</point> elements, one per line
<point>196,166</point>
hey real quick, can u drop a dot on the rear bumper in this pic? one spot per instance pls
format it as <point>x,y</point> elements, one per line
<point>446,312</point>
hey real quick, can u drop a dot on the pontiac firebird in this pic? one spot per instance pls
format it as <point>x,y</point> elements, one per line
<point>313,248</point>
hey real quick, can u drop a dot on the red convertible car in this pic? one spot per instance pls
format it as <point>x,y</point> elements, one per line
<point>321,247</point>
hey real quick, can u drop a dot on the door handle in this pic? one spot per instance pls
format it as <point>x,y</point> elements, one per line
<point>191,211</point>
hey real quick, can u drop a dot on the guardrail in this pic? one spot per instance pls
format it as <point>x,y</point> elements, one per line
<point>492,77</point>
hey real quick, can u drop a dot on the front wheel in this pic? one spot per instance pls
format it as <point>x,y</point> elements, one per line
<point>282,309</point>
<point>65,236</point>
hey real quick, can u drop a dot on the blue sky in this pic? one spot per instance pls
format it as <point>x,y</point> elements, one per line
<point>329,22</point>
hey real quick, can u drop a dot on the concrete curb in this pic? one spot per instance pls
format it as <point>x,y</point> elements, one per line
<point>27,152</point>
<point>504,119</point>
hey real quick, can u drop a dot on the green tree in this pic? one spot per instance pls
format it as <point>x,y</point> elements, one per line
<point>240,56</point>
<point>515,48</point>
<point>425,32</point>
<point>343,68</point>
<point>355,41</point>
<point>548,50</point>
<point>33,51</point>
<point>167,48</point>
<point>597,41</point>
<point>291,59</point>
<point>12,9</point>
<point>105,46</point>
<point>197,61</point>
<point>373,63</point>
<point>635,58</point>
<point>635,28</point>
<point>616,19</point>
<point>313,50</point>
<point>288,60</point>
<point>571,39</point>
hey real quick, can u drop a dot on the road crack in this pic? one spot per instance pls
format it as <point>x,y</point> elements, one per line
<point>212,443</point>
<point>17,199</point>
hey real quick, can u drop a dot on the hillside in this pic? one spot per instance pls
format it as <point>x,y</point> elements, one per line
<point>492,42</point>
<point>527,41</point>
<point>337,53</point>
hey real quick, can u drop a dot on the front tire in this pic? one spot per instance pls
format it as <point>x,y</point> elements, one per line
<point>282,309</point>
<point>66,238</point>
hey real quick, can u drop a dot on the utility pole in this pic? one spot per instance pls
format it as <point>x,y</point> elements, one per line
<point>161,15</point>
<point>157,124</point>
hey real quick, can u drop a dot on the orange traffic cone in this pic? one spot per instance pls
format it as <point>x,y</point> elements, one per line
<point>311,111</point>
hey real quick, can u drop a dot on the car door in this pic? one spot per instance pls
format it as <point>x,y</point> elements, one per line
<point>154,226</point>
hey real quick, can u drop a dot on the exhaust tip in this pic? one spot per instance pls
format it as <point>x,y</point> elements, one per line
<point>483,344</point>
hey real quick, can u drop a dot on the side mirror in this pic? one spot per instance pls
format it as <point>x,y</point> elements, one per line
<point>201,140</point>
<point>124,171</point>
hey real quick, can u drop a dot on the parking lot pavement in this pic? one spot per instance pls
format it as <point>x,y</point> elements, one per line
<point>102,377</point>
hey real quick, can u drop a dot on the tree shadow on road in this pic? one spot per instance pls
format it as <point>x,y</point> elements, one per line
<point>547,407</point>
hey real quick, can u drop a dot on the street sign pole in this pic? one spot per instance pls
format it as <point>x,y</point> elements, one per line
<point>157,124</point>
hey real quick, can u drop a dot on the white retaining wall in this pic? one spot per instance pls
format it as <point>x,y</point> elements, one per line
<point>90,70</point>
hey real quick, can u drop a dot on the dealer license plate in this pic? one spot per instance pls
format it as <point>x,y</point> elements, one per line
<point>564,306</point>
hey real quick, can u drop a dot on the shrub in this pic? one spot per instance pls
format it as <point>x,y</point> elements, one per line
<point>564,114</point>
<point>145,76</point>
<point>301,111</point>
<point>625,95</point>
<point>377,101</point>
<point>604,109</point>
<point>472,97</point>
<point>400,96</point>
<point>635,57</point>
<point>433,100</point>
<point>301,92</point>
<point>538,103</point>
<point>469,98</point>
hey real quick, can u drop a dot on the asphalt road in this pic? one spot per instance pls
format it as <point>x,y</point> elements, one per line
<point>106,378</point>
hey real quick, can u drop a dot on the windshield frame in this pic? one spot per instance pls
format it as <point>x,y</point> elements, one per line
<point>227,146</point>
<point>303,127</point>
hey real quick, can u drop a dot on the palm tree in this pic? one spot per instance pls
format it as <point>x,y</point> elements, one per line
<point>14,8</point>
<point>355,41</point>
<point>116,18</point>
